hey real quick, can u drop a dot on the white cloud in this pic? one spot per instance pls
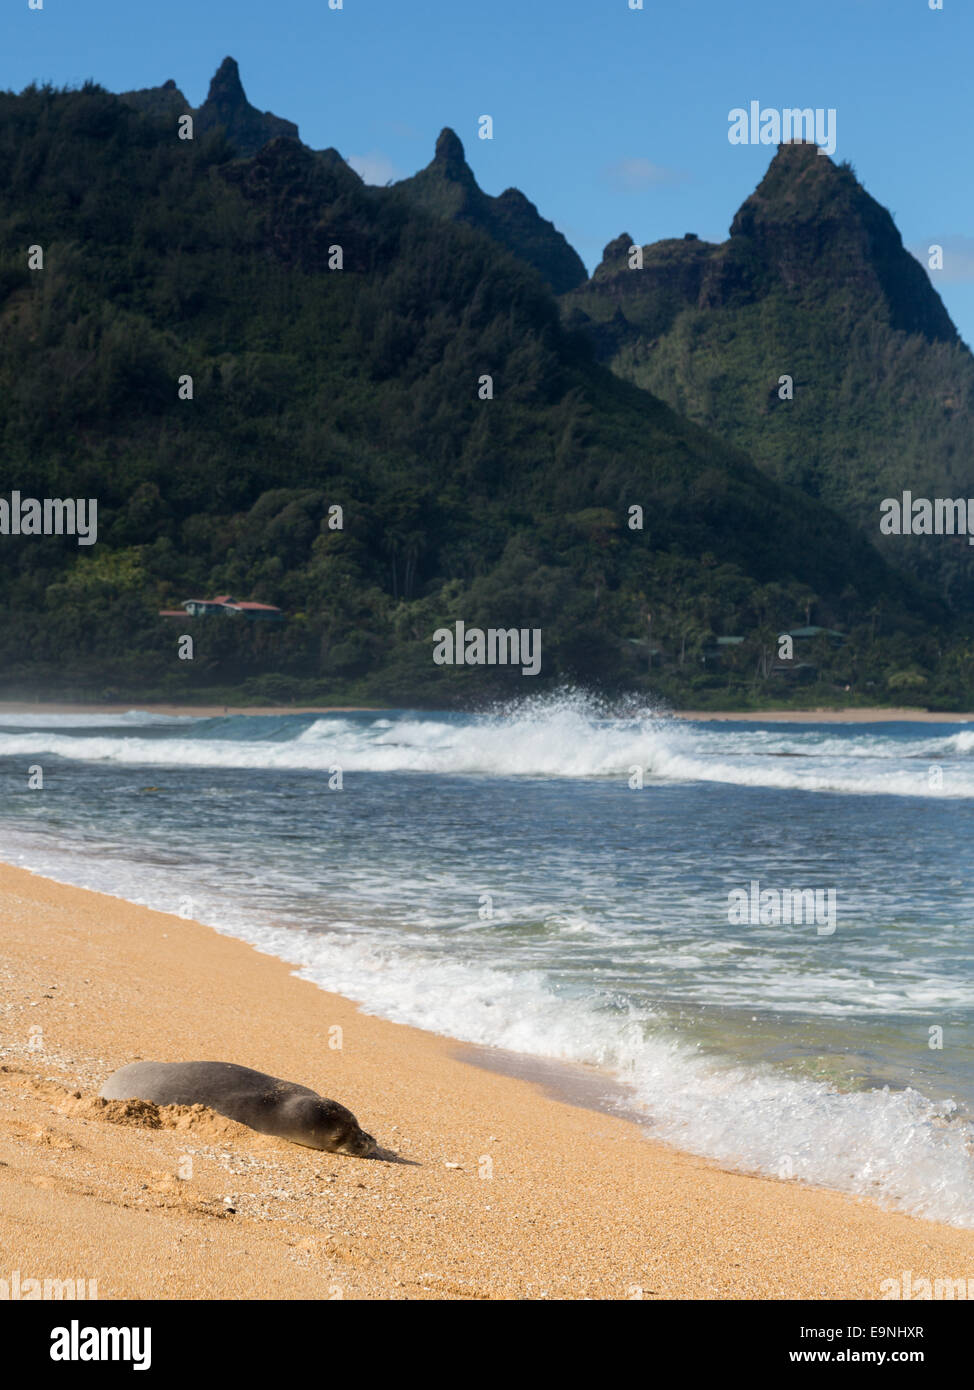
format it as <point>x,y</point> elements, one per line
<point>374,167</point>
<point>629,175</point>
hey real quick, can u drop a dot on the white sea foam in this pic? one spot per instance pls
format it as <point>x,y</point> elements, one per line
<point>133,718</point>
<point>959,743</point>
<point>555,738</point>
<point>898,1148</point>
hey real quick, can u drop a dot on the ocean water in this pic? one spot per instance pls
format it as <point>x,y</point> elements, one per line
<point>504,879</point>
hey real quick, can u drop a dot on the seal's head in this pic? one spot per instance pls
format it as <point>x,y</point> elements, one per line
<point>324,1124</point>
<point>359,1144</point>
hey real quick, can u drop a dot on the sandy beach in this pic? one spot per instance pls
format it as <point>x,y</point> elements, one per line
<point>829,716</point>
<point>876,715</point>
<point>504,1191</point>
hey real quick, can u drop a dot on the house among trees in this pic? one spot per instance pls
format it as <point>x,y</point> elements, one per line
<point>720,648</point>
<point>224,603</point>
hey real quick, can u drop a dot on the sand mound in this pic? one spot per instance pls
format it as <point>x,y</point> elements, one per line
<point>145,1114</point>
<point>206,1123</point>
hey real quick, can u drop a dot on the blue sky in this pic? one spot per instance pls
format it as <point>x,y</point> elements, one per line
<point>609,119</point>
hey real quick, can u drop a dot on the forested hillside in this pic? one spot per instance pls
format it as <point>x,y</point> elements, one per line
<point>815,284</point>
<point>363,387</point>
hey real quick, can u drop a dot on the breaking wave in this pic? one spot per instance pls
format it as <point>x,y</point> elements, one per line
<point>567,736</point>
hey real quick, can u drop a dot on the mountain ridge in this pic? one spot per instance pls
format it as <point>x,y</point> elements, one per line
<point>447,188</point>
<point>813,284</point>
<point>226,108</point>
<point>364,388</point>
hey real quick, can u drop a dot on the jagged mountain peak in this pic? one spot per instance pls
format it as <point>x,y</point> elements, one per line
<point>226,106</point>
<point>225,85</point>
<point>800,183</point>
<point>449,155</point>
<point>813,288</point>
<point>447,188</point>
<point>816,230</point>
<point>809,231</point>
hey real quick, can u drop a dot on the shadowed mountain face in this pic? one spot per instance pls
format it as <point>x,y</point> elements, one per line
<point>226,107</point>
<point>247,129</point>
<point>447,188</point>
<point>811,225</point>
<point>362,387</point>
<point>814,284</point>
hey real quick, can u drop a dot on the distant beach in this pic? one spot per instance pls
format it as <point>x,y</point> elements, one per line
<point>877,715</point>
<point>872,715</point>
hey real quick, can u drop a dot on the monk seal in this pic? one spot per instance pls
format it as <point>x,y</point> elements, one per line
<point>265,1103</point>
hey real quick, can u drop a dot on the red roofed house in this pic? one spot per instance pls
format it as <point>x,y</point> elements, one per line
<point>223,603</point>
<point>255,610</point>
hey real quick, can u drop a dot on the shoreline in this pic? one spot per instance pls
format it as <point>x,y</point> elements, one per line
<point>505,1189</point>
<point>878,715</point>
<point>872,715</point>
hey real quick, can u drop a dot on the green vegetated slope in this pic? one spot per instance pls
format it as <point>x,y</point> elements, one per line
<point>358,387</point>
<point>813,283</point>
